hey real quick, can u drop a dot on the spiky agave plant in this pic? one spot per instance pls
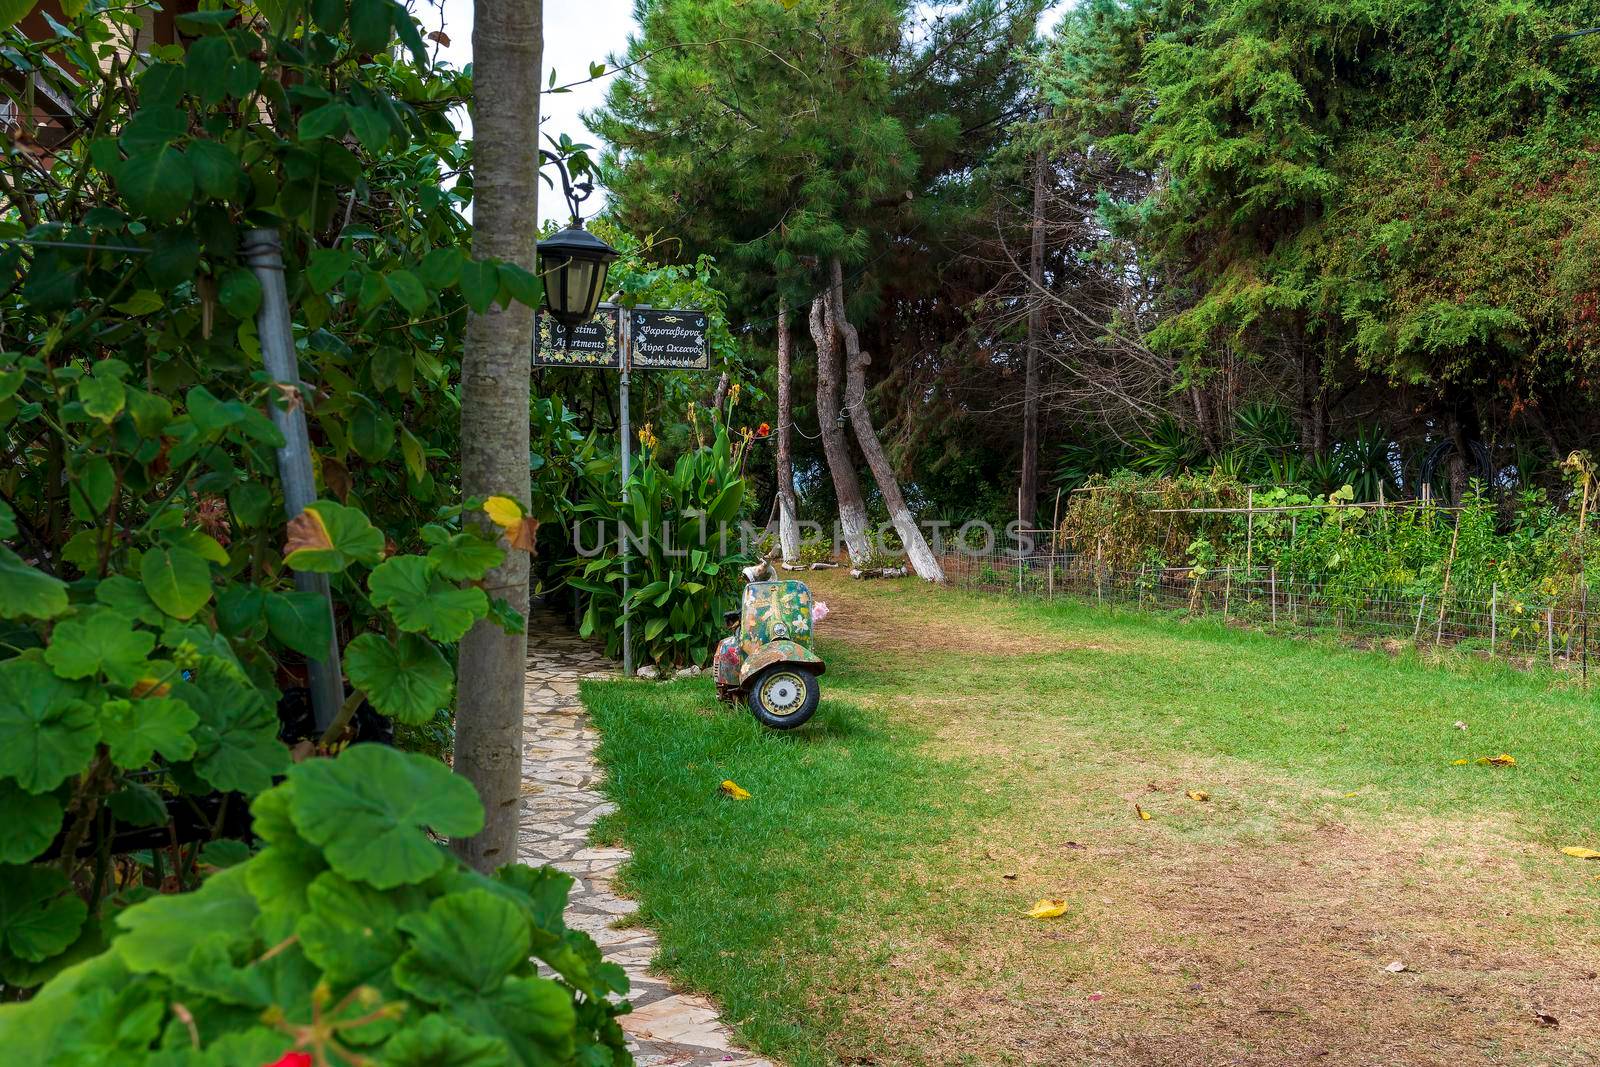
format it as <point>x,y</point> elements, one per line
<point>1366,462</point>
<point>1168,449</point>
<point>1078,461</point>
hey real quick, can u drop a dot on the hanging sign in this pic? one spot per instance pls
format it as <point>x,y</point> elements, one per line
<point>668,340</point>
<point>595,344</point>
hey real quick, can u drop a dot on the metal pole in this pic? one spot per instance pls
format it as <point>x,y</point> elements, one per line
<point>1494,621</point>
<point>627,472</point>
<point>264,252</point>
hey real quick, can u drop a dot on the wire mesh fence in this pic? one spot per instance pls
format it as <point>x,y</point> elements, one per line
<point>1554,631</point>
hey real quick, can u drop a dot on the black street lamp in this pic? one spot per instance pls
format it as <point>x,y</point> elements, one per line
<point>573,262</point>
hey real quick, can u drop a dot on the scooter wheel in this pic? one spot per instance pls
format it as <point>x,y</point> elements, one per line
<point>784,696</point>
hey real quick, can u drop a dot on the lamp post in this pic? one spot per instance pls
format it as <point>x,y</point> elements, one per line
<point>573,262</point>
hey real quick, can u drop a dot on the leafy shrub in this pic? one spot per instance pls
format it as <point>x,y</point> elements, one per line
<point>351,936</point>
<point>149,621</point>
<point>684,544</point>
<point>1531,554</point>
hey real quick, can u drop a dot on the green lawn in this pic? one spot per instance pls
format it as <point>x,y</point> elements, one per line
<point>857,909</point>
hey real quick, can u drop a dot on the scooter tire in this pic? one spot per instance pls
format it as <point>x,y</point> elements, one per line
<point>784,696</point>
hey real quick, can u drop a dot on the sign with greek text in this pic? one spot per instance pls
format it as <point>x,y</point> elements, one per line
<point>668,340</point>
<point>595,344</point>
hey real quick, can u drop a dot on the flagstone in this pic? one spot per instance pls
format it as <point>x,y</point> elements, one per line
<point>561,801</point>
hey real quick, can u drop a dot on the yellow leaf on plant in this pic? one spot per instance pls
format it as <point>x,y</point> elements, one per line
<point>731,788</point>
<point>503,512</point>
<point>1048,909</point>
<point>1145,815</point>
<point>1199,794</point>
<point>151,687</point>
<point>1579,852</point>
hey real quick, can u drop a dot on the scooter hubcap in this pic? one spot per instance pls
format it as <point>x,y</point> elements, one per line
<point>782,692</point>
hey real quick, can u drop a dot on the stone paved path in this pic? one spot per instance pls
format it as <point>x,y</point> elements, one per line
<point>561,800</point>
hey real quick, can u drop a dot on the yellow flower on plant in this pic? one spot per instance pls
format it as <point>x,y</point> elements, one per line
<point>733,394</point>
<point>647,439</point>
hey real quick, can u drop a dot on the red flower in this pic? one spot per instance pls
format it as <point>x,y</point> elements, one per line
<point>763,430</point>
<point>292,1059</point>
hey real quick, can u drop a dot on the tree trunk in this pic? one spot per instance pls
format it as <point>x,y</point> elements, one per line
<point>1029,495</point>
<point>788,519</point>
<point>507,42</point>
<point>1313,400</point>
<point>846,486</point>
<point>923,561</point>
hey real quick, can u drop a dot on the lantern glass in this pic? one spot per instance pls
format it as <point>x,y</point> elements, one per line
<point>574,264</point>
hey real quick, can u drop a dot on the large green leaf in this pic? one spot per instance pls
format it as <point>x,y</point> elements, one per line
<point>161,933</point>
<point>437,1042</point>
<point>301,621</point>
<point>464,945</point>
<point>420,601</point>
<point>326,266</point>
<point>480,283</point>
<point>465,557</point>
<point>40,915</point>
<point>100,642</point>
<point>47,731</point>
<point>410,680</point>
<point>407,291</point>
<point>282,872</point>
<point>335,537</point>
<point>27,593</point>
<point>134,730</point>
<point>349,930</point>
<point>367,810</point>
<point>236,741</point>
<point>177,579</point>
<point>127,598</point>
<point>28,822</point>
<point>157,181</point>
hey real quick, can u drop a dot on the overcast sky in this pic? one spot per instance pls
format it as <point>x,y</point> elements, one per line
<point>575,34</point>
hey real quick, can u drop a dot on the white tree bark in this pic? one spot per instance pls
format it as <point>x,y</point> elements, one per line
<point>788,520</point>
<point>920,555</point>
<point>507,46</point>
<point>846,486</point>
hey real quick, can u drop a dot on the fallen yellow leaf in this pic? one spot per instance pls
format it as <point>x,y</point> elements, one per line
<point>1357,793</point>
<point>1505,759</point>
<point>1579,852</point>
<point>1459,763</point>
<point>1145,815</point>
<point>731,788</point>
<point>503,512</point>
<point>1199,794</point>
<point>1048,909</point>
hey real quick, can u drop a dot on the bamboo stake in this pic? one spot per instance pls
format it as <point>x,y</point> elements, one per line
<point>1444,595</point>
<point>1249,529</point>
<point>1494,621</point>
<point>1274,580</point>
